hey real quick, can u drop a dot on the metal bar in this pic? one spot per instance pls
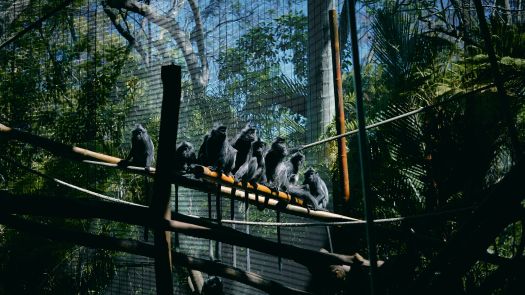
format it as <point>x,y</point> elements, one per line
<point>363,148</point>
<point>342,162</point>
<point>279,258</point>
<point>218,212</point>
<point>160,206</point>
<point>232,217</point>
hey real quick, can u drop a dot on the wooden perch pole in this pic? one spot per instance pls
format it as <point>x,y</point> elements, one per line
<point>206,173</point>
<point>342,162</point>
<point>59,149</point>
<point>144,249</point>
<point>94,158</point>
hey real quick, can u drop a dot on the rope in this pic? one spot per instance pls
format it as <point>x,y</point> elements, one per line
<point>389,120</point>
<point>339,223</point>
<point>61,182</point>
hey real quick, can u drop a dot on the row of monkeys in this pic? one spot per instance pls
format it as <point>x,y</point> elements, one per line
<point>245,157</point>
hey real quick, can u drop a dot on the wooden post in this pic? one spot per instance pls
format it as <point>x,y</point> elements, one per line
<point>160,205</point>
<point>339,108</point>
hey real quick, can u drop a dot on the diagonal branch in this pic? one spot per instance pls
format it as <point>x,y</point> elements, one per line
<point>188,225</point>
<point>145,249</point>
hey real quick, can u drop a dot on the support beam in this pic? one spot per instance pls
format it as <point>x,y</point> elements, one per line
<point>160,205</point>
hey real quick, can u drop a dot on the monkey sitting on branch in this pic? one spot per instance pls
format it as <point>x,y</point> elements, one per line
<point>243,144</point>
<point>216,152</point>
<point>314,190</point>
<point>142,149</point>
<point>185,157</point>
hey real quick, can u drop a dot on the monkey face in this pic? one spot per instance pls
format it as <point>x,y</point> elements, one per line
<point>249,135</point>
<point>309,176</point>
<point>219,132</point>
<point>138,131</point>
<point>279,144</point>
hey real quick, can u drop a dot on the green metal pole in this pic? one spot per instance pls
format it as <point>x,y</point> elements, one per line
<point>363,146</point>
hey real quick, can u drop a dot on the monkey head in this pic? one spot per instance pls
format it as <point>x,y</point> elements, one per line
<point>212,286</point>
<point>258,147</point>
<point>297,159</point>
<point>138,131</point>
<point>310,176</point>
<point>186,151</point>
<point>219,132</point>
<point>248,133</point>
<point>280,145</point>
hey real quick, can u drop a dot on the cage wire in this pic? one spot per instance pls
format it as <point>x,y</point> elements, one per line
<point>89,73</point>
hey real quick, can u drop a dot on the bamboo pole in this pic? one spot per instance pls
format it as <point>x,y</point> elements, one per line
<point>59,149</point>
<point>206,173</point>
<point>342,162</point>
<point>89,157</point>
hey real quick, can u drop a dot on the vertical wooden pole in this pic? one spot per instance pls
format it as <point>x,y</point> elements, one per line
<point>339,107</point>
<point>160,205</point>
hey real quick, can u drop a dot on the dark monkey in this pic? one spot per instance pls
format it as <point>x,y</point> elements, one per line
<point>243,143</point>
<point>274,160</point>
<point>217,152</point>
<point>294,164</point>
<point>141,154</point>
<point>317,188</point>
<point>253,169</point>
<point>184,157</point>
<point>212,286</point>
<point>142,150</point>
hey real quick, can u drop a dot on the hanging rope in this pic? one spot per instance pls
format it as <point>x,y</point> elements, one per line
<point>63,183</point>
<point>343,223</point>
<point>389,120</point>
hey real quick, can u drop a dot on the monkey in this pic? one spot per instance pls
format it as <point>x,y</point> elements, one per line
<point>294,164</point>
<point>274,161</point>
<point>243,143</point>
<point>184,157</point>
<point>217,152</point>
<point>253,169</point>
<point>317,188</point>
<point>213,286</point>
<point>141,154</point>
<point>142,149</point>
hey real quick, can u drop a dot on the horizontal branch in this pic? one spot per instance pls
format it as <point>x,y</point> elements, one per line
<point>145,249</point>
<point>94,158</point>
<point>189,225</point>
<point>59,149</point>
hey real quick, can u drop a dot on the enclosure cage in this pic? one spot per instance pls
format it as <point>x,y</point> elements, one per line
<point>435,160</point>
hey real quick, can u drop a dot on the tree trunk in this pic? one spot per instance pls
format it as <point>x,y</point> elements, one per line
<point>320,106</point>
